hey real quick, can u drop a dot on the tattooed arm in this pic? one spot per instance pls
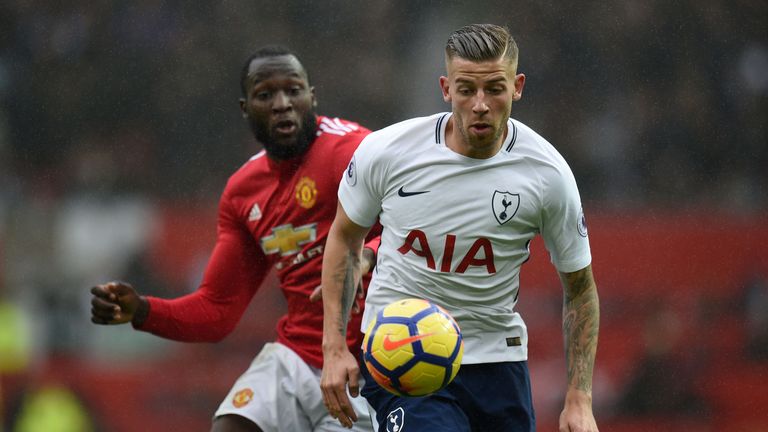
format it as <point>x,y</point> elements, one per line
<point>581,322</point>
<point>341,275</point>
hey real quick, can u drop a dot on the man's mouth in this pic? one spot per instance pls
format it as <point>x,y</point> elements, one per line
<point>285,127</point>
<point>481,128</point>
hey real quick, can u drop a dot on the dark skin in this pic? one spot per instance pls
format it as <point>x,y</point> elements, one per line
<point>279,106</point>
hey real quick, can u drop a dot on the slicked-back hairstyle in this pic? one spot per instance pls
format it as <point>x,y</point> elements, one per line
<point>482,42</point>
<point>264,52</point>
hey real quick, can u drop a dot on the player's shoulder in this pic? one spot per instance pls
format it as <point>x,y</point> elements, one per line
<point>524,135</point>
<point>530,143</point>
<point>407,134</point>
<point>544,159</point>
<point>336,141</point>
<point>255,165</point>
<point>416,125</point>
<point>332,130</point>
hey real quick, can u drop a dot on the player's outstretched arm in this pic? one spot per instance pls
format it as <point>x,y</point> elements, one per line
<point>581,322</point>
<point>117,303</point>
<point>341,275</point>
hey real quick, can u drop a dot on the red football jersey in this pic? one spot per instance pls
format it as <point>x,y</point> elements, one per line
<point>271,214</point>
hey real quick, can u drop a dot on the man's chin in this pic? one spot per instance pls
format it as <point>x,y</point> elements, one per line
<point>482,139</point>
<point>284,140</point>
<point>285,147</point>
<point>282,151</point>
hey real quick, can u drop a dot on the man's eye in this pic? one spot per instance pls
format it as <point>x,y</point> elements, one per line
<point>264,95</point>
<point>465,91</point>
<point>495,90</point>
<point>294,91</point>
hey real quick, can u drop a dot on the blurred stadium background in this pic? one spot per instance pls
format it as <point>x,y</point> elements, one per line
<point>119,127</point>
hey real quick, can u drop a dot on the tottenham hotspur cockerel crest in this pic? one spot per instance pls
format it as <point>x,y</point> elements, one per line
<point>505,205</point>
<point>396,420</point>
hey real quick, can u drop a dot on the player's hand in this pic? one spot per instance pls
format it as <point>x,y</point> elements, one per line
<point>367,261</point>
<point>317,294</point>
<point>340,370</point>
<point>114,303</point>
<point>577,414</point>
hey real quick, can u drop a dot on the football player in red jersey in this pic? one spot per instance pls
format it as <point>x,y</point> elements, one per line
<point>275,212</point>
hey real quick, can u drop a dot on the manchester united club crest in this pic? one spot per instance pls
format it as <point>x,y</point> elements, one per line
<point>306,192</point>
<point>242,398</point>
<point>505,206</point>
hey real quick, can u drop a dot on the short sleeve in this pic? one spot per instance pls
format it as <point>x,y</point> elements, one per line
<point>564,227</point>
<point>360,190</point>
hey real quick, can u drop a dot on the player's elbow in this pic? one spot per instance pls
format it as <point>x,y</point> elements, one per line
<point>219,317</point>
<point>215,335</point>
<point>217,329</point>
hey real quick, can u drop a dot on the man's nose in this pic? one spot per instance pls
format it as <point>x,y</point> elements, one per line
<point>479,105</point>
<point>282,102</point>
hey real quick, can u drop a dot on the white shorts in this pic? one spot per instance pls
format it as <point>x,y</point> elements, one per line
<point>281,393</point>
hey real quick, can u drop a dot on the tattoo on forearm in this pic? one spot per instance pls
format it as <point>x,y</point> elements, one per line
<point>349,282</point>
<point>581,322</point>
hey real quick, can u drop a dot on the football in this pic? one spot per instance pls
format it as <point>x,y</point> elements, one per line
<point>413,347</point>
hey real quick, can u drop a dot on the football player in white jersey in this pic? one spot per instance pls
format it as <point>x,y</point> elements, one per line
<point>460,196</point>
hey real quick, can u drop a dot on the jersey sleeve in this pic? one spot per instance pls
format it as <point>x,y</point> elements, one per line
<point>360,190</point>
<point>234,273</point>
<point>563,224</point>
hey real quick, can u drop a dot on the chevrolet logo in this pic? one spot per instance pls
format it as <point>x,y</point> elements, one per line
<point>288,240</point>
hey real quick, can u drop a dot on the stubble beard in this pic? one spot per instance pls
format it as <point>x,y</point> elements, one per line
<point>474,142</point>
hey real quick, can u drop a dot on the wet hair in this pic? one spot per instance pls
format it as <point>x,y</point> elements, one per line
<point>264,52</point>
<point>482,42</point>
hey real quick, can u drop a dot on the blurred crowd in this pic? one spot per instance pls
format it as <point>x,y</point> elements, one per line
<point>652,102</point>
<point>111,111</point>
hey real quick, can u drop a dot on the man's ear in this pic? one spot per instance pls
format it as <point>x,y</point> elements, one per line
<point>445,88</point>
<point>242,108</point>
<point>519,84</point>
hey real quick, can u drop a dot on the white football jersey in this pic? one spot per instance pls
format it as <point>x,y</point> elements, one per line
<point>457,229</point>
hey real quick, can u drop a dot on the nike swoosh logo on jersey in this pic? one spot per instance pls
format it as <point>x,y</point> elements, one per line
<point>390,344</point>
<point>402,193</point>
